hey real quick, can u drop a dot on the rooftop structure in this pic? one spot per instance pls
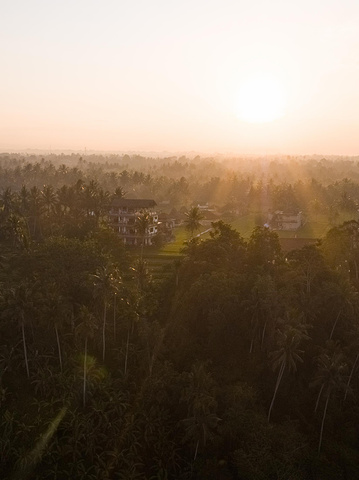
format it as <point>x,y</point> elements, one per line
<point>285,220</point>
<point>124,214</point>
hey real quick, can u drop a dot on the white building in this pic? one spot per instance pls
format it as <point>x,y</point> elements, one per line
<point>124,213</point>
<point>285,221</point>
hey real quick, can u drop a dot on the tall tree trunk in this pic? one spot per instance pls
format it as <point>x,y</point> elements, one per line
<point>32,331</point>
<point>263,334</point>
<point>196,451</point>
<point>148,349</point>
<point>318,398</point>
<point>104,332</point>
<point>254,331</point>
<point>251,345</point>
<point>155,351</point>
<point>308,284</point>
<point>58,346</point>
<point>114,317</point>
<point>280,375</point>
<point>85,374</point>
<point>323,420</point>
<point>350,377</point>
<point>126,354</point>
<point>356,270</point>
<point>142,244</point>
<point>335,324</point>
<point>25,349</point>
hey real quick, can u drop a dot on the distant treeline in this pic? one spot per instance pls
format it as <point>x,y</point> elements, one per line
<point>315,186</point>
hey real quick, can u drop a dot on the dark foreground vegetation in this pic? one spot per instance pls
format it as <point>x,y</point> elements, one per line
<point>241,364</point>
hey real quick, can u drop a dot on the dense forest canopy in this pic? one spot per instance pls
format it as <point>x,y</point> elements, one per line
<point>312,184</point>
<point>239,362</point>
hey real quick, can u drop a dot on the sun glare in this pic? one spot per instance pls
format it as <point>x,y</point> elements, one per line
<point>260,99</point>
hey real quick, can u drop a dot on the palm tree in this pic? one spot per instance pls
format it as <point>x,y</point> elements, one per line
<point>341,246</point>
<point>344,298</point>
<point>62,196</point>
<point>7,199</point>
<point>352,347</point>
<point>262,305</point>
<point>57,310</point>
<point>35,204</point>
<point>18,306</point>
<point>24,197</point>
<point>117,280</point>
<point>93,199</point>
<point>199,396</point>
<point>103,201</point>
<point>118,193</point>
<point>86,329</point>
<point>140,270</point>
<point>143,221</point>
<point>330,377</point>
<point>309,264</point>
<point>48,197</point>
<point>105,284</point>
<point>351,376</point>
<point>287,355</point>
<point>194,216</point>
<point>69,200</point>
<point>17,231</point>
<point>199,427</point>
<point>25,465</point>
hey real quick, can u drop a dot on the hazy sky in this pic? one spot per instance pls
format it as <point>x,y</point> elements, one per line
<point>170,75</point>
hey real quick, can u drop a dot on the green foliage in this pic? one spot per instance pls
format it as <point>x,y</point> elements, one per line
<point>173,378</point>
<point>193,220</point>
<point>264,249</point>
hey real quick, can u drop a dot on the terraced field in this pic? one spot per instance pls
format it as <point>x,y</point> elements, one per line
<point>161,261</point>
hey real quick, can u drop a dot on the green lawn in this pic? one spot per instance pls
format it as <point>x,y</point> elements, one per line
<point>315,227</point>
<point>175,247</point>
<point>244,225</point>
<point>181,236</point>
<point>172,248</point>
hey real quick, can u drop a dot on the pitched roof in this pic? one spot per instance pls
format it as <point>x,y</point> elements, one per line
<point>289,244</point>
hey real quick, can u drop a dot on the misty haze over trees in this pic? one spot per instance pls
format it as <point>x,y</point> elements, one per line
<point>240,360</point>
<point>310,184</point>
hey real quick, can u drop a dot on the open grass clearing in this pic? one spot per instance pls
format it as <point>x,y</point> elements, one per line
<point>160,259</point>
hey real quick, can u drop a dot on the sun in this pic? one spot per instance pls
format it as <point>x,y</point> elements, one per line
<point>260,99</point>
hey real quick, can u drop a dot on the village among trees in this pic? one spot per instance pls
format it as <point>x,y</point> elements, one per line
<point>179,317</point>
